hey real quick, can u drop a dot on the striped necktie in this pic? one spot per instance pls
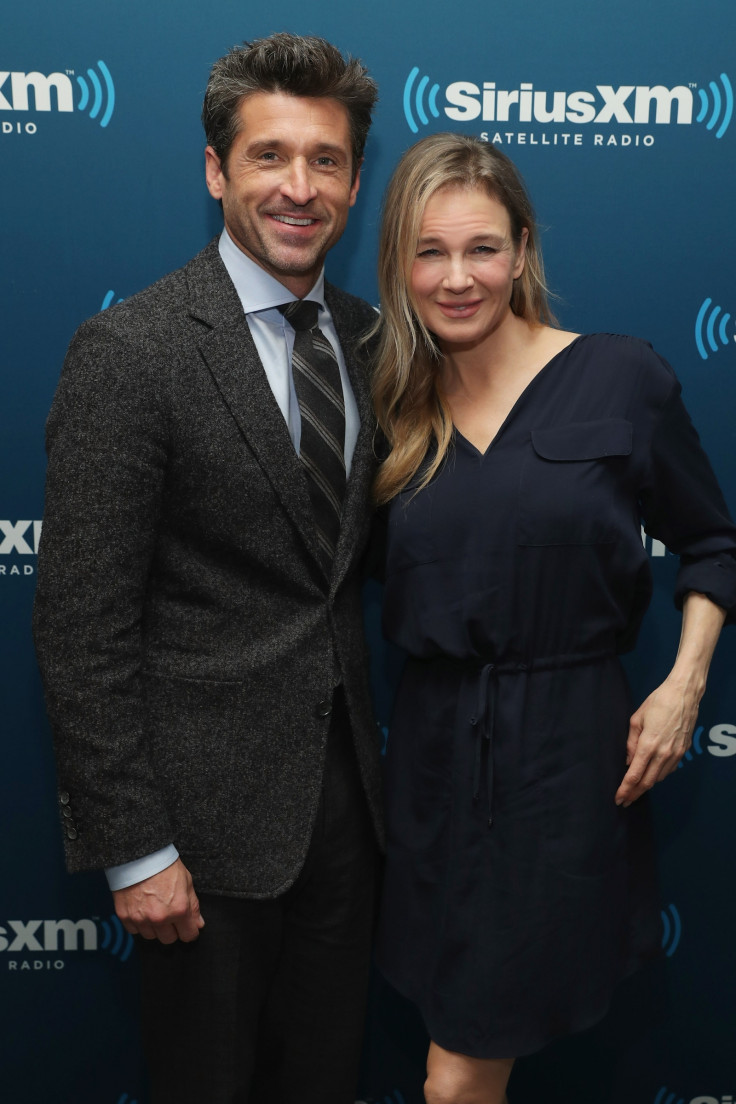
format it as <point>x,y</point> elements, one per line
<point>321,405</point>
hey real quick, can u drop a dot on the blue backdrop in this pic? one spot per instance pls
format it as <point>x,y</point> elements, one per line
<point>620,118</point>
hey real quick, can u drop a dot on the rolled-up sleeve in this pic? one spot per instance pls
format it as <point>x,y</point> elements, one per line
<point>683,506</point>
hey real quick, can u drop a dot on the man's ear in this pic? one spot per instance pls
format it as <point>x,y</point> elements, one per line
<point>355,186</point>
<point>213,172</point>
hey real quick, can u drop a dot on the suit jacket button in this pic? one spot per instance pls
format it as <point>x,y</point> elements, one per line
<point>66,811</point>
<point>324,708</point>
<point>71,833</point>
<point>64,798</point>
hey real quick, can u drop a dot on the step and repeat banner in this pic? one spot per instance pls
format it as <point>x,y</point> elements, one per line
<point>621,120</point>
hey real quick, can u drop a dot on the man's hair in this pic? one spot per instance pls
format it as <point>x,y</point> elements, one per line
<point>294,64</point>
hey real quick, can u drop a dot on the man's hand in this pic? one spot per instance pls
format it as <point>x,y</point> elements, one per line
<point>163,907</point>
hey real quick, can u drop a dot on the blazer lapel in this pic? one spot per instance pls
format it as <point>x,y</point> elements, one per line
<point>228,350</point>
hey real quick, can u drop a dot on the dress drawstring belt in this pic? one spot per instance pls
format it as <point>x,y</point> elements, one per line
<point>484,721</point>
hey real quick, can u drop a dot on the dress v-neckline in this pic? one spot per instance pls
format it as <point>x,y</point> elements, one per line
<point>515,405</point>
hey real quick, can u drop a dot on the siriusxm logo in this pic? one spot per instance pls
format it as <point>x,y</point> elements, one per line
<point>626,104</point>
<point>39,936</point>
<point>665,1097</point>
<point>21,538</point>
<point>40,92</point>
<point>653,546</point>
<point>705,329</point>
<point>416,96</point>
<point>671,930</point>
<point>722,744</point>
<point>109,300</point>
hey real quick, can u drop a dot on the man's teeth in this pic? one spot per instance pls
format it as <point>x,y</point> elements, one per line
<point>294,221</point>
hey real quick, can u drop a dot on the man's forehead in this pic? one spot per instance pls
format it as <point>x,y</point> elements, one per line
<point>293,116</point>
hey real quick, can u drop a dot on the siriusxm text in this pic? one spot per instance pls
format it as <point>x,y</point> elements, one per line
<point>625,104</point>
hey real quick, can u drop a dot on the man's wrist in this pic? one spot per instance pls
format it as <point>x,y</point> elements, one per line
<point>130,873</point>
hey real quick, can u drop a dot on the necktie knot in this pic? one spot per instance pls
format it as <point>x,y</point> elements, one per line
<point>302,314</point>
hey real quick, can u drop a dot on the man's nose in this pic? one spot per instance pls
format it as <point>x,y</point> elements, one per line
<point>298,185</point>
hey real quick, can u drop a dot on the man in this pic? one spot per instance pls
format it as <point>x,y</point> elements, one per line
<point>198,618</point>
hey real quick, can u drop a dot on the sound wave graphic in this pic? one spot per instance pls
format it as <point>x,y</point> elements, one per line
<point>663,1098</point>
<point>97,94</point>
<point>115,939</point>
<point>720,102</point>
<point>672,930</point>
<point>418,95</point>
<point>708,328</point>
<point>106,302</point>
<point>696,745</point>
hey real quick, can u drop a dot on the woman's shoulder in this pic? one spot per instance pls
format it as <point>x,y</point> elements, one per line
<point>626,359</point>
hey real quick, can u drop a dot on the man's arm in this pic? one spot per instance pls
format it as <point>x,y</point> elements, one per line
<point>107,443</point>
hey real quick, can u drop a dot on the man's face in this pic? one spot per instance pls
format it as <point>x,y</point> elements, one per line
<point>287,184</point>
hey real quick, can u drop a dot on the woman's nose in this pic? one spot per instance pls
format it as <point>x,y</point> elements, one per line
<point>458,277</point>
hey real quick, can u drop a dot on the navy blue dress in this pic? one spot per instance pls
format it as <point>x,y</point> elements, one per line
<point>517,894</point>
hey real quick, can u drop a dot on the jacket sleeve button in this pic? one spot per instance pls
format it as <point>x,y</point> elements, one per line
<point>64,798</point>
<point>324,708</point>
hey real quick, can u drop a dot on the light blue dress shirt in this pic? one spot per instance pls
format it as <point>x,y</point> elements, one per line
<point>261,294</point>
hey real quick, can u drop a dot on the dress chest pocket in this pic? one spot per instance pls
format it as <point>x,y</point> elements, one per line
<point>570,482</point>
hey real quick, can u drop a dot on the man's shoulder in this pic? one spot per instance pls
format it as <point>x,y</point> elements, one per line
<point>159,309</point>
<point>349,311</point>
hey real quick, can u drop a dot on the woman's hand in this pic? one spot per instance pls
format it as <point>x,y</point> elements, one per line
<point>661,729</point>
<point>660,732</point>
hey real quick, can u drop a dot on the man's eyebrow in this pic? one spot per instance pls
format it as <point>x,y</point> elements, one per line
<point>278,143</point>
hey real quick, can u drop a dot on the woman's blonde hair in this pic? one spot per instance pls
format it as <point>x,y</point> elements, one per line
<point>411,411</point>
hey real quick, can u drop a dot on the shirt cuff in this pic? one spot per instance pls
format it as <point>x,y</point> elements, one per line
<point>128,874</point>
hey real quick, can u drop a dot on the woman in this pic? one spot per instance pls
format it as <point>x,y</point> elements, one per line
<point>520,462</point>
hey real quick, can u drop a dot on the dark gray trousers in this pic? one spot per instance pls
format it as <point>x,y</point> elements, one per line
<point>267,1005</point>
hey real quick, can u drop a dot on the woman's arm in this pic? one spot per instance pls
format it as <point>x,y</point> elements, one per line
<point>661,730</point>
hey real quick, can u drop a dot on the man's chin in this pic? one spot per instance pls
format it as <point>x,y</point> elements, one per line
<point>298,262</point>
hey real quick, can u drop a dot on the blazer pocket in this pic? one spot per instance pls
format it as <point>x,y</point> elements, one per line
<point>570,480</point>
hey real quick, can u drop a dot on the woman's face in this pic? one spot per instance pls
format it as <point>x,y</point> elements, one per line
<point>465,265</point>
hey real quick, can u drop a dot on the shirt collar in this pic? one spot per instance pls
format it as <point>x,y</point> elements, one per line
<point>256,288</point>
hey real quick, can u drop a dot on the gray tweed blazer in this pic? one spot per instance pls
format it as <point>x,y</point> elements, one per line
<point>186,633</point>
